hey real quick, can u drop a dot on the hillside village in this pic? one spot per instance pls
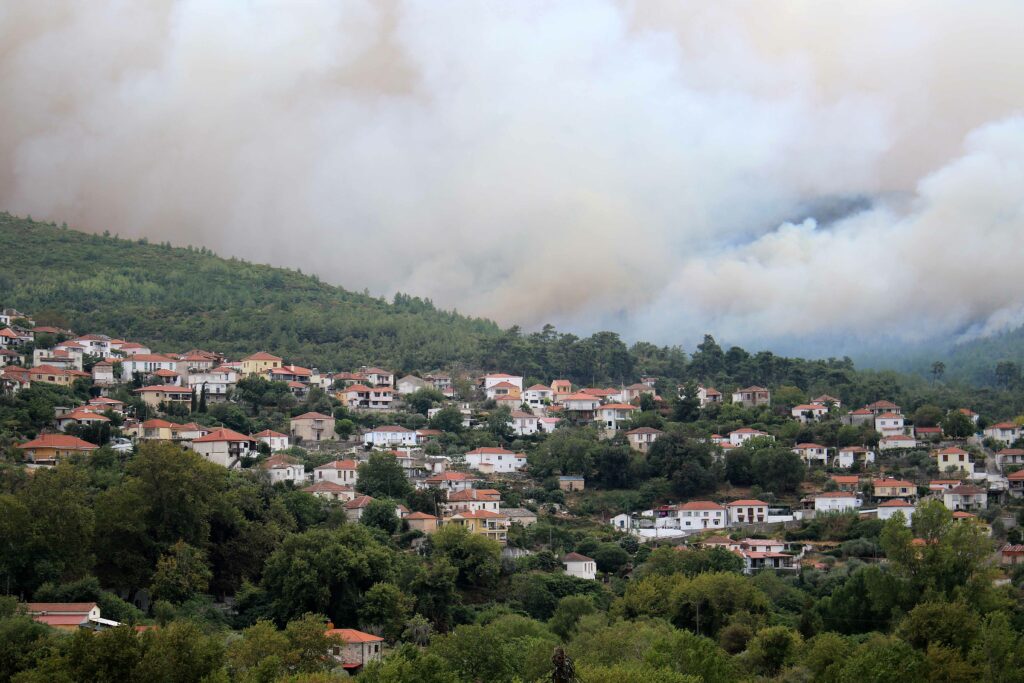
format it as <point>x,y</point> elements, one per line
<point>758,474</point>
<point>137,395</point>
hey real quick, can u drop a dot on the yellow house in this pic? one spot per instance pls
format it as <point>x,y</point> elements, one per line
<point>154,395</point>
<point>52,447</point>
<point>493,525</point>
<point>160,430</point>
<point>260,364</point>
<point>954,460</point>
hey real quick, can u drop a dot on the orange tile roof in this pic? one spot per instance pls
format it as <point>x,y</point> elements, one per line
<point>222,435</point>
<point>313,416</point>
<point>65,441</point>
<point>261,355</point>
<point>350,635</point>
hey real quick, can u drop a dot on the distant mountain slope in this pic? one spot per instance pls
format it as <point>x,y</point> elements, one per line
<point>978,361</point>
<point>179,298</point>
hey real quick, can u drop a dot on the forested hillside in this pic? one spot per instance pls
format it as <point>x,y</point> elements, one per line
<point>179,298</point>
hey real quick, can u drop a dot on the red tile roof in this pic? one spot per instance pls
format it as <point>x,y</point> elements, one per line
<point>350,635</point>
<point>60,441</point>
<point>576,557</point>
<point>269,433</point>
<point>896,503</point>
<point>261,355</point>
<point>222,435</point>
<point>339,465</point>
<point>313,416</point>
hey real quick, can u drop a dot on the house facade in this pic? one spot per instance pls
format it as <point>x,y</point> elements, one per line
<point>313,427</point>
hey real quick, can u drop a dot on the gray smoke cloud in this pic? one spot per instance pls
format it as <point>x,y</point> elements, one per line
<point>646,167</point>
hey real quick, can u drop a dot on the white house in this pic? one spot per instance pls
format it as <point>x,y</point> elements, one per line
<point>411,384</point>
<point>848,455</point>
<point>812,453</point>
<point>548,424</point>
<point>95,344</point>
<point>580,404</point>
<point>218,382</point>
<point>889,423</point>
<point>740,436</point>
<point>473,500</point>
<point>538,395</point>
<point>965,498</point>
<point>275,440</point>
<point>524,424</point>
<point>580,566</point>
<point>146,363</point>
<point>502,378</point>
<point>826,400</point>
<point>747,511</point>
<point>225,447</point>
<point>378,377</point>
<point>893,441</point>
<point>708,395</point>
<point>495,460</point>
<point>449,481</point>
<point>696,515</point>
<point>1010,456</point>
<point>808,412</point>
<point>343,472</point>
<point>390,436</point>
<point>836,501</point>
<point>612,415</point>
<point>1004,432</point>
<point>890,507</point>
<point>281,467</point>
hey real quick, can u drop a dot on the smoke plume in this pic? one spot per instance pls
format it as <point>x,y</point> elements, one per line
<point>662,168</point>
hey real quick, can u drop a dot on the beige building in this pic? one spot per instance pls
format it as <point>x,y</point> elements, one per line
<point>571,483</point>
<point>312,427</point>
<point>641,438</point>
<point>156,394</point>
<point>421,521</point>
<point>260,363</point>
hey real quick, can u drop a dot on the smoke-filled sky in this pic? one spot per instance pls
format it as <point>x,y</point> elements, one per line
<point>763,171</point>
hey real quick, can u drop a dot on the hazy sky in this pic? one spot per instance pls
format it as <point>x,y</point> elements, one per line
<point>761,170</point>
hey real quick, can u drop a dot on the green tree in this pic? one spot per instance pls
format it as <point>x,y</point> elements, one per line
<point>177,653</point>
<point>956,425</point>
<point>386,610</point>
<point>181,574</point>
<point>381,476</point>
<point>568,613</point>
<point>777,469</point>
<point>422,400</point>
<point>380,513</point>
<point>477,559</point>
<point>774,648</point>
<point>325,571</point>
<point>448,419</point>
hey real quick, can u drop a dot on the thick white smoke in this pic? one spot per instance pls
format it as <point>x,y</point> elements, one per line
<point>585,163</point>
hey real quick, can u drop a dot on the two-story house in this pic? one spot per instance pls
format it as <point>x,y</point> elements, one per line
<point>747,511</point>
<point>313,427</point>
<point>751,397</point>
<point>641,438</point>
<point>225,447</point>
